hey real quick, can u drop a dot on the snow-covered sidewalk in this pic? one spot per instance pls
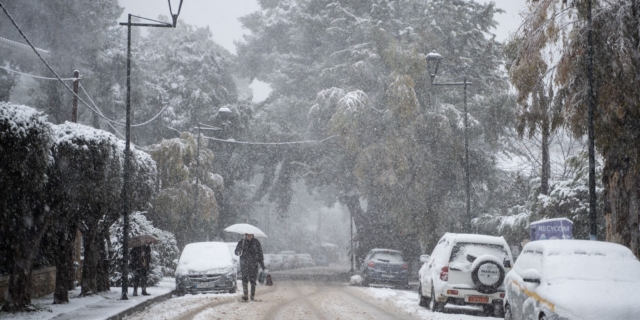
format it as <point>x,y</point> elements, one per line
<point>100,306</point>
<point>408,301</point>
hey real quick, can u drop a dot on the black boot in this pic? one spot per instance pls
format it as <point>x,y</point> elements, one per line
<point>253,291</point>
<point>245,291</point>
<point>144,291</point>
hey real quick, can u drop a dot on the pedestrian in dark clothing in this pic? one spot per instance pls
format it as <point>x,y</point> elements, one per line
<point>250,252</point>
<point>140,264</point>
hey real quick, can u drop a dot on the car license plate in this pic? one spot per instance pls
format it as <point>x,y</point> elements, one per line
<point>478,299</point>
<point>205,285</point>
<point>387,275</point>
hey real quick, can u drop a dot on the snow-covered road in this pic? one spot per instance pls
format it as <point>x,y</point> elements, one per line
<point>301,300</point>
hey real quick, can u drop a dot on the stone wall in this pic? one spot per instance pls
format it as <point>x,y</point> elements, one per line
<point>43,282</point>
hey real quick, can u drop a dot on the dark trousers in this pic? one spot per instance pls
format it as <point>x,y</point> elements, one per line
<point>140,277</point>
<point>249,275</point>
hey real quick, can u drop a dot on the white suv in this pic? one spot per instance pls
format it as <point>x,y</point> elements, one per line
<point>465,269</point>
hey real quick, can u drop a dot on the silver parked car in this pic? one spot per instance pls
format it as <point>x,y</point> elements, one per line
<point>205,267</point>
<point>573,279</point>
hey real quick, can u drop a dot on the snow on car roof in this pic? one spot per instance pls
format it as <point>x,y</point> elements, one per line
<point>197,248</point>
<point>385,250</point>
<point>578,246</point>
<point>475,238</point>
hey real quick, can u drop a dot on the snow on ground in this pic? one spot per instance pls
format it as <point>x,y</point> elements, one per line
<point>182,307</point>
<point>100,306</point>
<point>408,302</point>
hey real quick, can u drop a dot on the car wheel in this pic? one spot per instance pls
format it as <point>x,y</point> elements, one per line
<point>424,302</point>
<point>365,281</point>
<point>492,276</point>
<point>180,293</point>
<point>434,305</point>
<point>234,289</point>
<point>498,310</point>
<point>487,310</point>
<point>507,313</point>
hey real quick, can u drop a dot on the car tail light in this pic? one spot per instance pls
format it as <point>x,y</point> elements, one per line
<point>444,274</point>
<point>453,292</point>
<point>405,267</point>
<point>502,295</point>
<point>370,264</point>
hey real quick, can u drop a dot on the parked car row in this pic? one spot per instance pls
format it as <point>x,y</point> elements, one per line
<point>551,279</point>
<point>288,260</point>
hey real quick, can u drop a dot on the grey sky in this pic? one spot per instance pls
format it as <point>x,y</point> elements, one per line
<point>222,18</point>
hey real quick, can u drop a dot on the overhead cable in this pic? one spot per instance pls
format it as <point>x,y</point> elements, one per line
<point>270,143</point>
<point>34,76</point>
<point>62,81</point>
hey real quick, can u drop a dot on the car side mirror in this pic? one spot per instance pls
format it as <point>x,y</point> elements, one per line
<point>531,276</point>
<point>507,263</point>
<point>424,258</point>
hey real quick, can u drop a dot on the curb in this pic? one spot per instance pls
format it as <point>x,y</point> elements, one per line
<point>140,307</point>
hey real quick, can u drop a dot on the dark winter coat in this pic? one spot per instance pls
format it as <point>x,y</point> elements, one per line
<point>140,258</point>
<point>250,253</point>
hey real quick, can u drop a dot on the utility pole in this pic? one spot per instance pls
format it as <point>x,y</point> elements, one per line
<point>593,224</point>
<point>74,118</point>
<point>352,254</point>
<point>74,108</point>
<point>195,202</point>
<point>467,221</point>
<point>127,152</point>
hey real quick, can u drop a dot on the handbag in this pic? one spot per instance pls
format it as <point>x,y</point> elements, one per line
<point>262,276</point>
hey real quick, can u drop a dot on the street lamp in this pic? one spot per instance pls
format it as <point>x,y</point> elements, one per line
<point>127,150</point>
<point>433,61</point>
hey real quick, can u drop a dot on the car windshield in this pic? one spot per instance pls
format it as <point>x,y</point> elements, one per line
<point>386,256</point>
<point>463,254</point>
<point>609,266</point>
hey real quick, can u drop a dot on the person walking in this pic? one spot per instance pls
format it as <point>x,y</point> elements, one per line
<point>250,252</point>
<point>140,264</point>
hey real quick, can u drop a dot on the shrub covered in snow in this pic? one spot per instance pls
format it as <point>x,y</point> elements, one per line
<point>25,162</point>
<point>162,254</point>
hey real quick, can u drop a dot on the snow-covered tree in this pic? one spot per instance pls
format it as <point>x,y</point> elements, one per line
<point>616,70</point>
<point>25,167</point>
<point>162,254</point>
<point>175,207</point>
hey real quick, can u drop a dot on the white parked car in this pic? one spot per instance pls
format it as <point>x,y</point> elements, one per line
<point>273,261</point>
<point>236,259</point>
<point>289,259</point>
<point>465,269</point>
<point>205,266</point>
<point>573,279</point>
<point>305,260</point>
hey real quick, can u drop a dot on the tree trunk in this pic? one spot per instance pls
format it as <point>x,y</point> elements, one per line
<point>90,265</point>
<point>23,244</point>
<point>63,264</point>
<point>103,265</point>
<point>19,295</point>
<point>621,178</point>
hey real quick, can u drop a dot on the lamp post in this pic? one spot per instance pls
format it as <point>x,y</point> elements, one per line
<point>127,151</point>
<point>433,61</point>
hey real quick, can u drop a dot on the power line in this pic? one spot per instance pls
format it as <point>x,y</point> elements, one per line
<point>270,143</point>
<point>62,81</point>
<point>100,112</point>
<point>34,76</point>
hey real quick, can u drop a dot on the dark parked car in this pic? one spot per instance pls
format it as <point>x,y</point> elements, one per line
<point>385,266</point>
